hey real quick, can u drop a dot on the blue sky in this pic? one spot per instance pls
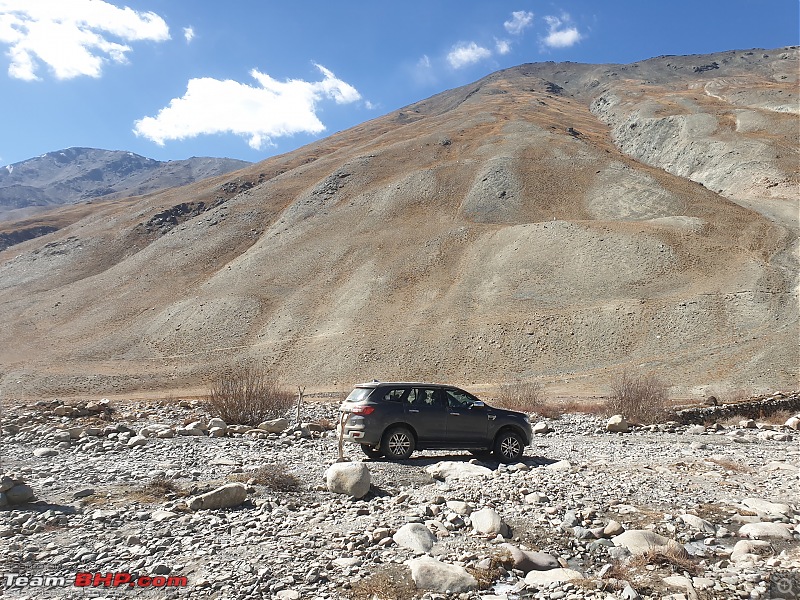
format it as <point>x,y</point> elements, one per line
<point>248,79</point>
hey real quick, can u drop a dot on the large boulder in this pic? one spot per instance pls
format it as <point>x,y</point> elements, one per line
<point>274,426</point>
<point>639,541</point>
<point>617,424</point>
<point>431,574</point>
<point>19,494</point>
<point>772,509</point>
<point>538,578</point>
<point>351,479</point>
<point>527,561</point>
<point>232,494</point>
<point>487,521</point>
<point>452,469</point>
<point>759,531</point>
<point>415,536</point>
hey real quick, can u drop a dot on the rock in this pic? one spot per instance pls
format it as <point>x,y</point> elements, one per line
<point>217,432</point>
<point>772,509</point>
<point>138,440</point>
<point>696,522</point>
<point>541,428</point>
<point>613,528</point>
<point>749,550</point>
<point>45,452</point>
<point>748,424</point>
<point>617,424</point>
<point>536,498</point>
<point>188,431</point>
<point>678,581</point>
<point>431,574</point>
<point>757,531</point>
<point>288,595</point>
<point>19,494</point>
<point>459,507</point>
<point>352,479</point>
<point>415,536</point>
<point>639,541</point>
<point>216,422</point>
<point>450,469</point>
<point>561,465</point>
<point>232,494</point>
<point>538,578</point>
<point>629,593</point>
<point>487,521</point>
<point>792,423</point>
<point>274,426</point>
<point>84,493</point>
<point>527,561</point>
<point>163,515</point>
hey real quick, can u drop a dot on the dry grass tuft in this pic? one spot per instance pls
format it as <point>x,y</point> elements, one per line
<point>639,398</point>
<point>157,489</point>
<point>499,564</point>
<point>248,396</point>
<point>675,558</point>
<point>730,465</point>
<point>524,396</point>
<point>392,582</point>
<point>274,477</point>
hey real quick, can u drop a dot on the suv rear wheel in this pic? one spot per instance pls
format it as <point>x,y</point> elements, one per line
<point>398,443</point>
<point>508,446</point>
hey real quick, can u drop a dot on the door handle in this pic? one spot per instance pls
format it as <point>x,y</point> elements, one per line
<point>455,414</point>
<point>416,410</point>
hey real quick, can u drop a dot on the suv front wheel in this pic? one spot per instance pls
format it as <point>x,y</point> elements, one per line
<point>398,443</point>
<point>508,446</point>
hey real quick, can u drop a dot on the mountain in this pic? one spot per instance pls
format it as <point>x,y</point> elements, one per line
<point>79,174</point>
<point>556,222</point>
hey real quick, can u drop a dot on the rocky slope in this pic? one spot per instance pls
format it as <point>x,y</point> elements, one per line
<point>669,511</point>
<point>554,222</point>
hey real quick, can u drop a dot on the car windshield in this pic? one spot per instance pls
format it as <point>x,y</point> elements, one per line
<point>358,394</point>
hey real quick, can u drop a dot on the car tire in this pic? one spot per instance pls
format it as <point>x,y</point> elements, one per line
<point>371,452</point>
<point>398,443</point>
<point>508,446</point>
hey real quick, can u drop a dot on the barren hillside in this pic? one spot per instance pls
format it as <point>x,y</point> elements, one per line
<point>558,222</point>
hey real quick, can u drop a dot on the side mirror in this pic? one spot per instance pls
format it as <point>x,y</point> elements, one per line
<point>478,404</point>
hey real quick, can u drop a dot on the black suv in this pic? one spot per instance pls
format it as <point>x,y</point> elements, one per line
<point>393,419</point>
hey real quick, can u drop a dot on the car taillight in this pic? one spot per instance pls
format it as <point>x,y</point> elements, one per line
<point>362,410</point>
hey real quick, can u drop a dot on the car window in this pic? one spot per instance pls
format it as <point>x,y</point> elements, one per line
<point>426,397</point>
<point>395,395</point>
<point>458,399</point>
<point>358,394</point>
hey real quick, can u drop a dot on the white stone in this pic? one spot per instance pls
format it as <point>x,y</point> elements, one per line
<point>450,469</point>
<point>352,479</point>
<point>697,523</point>
<point>232,494</point>
<point>431,574</point>
<point>416,537</point>
<point>773,509</point>
<point>757,531</point>
<point>541,428</point>
<point>639,541</point>
<point>617,424</point>
<point>487,521</point>
<point>536,578</point>
<point>274,426</point>
<point>138,440</point>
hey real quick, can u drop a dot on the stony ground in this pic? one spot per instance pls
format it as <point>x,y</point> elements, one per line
<point>109,501</point>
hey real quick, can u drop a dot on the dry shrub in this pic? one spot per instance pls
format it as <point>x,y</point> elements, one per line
<point>590,406</point>
<point>524,396</point>
<point>639,398</point>
<point>274,477</point>
<point>158,489</point>
<point>499,564</point>
<point>248,396</point>
<point>730,465</point>
<point>673,557</point>
<point>394,582</point>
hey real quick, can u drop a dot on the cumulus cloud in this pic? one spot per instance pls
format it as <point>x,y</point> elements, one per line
<point>502,46</point>
<point>465,54</point>
<point>260,113</point>
<point>519,22</point>
<point>188,34</point>
<point>73,38</point>
<point>560,33</point>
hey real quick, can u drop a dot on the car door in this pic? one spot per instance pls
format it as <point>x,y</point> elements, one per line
<point>425,412</point>
<point>467,422</point>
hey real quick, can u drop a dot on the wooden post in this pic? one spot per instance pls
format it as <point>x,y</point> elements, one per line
<point>300,392</point>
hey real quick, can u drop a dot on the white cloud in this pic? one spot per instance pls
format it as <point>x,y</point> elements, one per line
<point>271,109</point>
<point>464,54</point>
<point>560,34</point>
<point>188,34</point>
<point>519,22</point>
<point>72,38</point>
<point>369,105</point>
<point>502,46</point>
